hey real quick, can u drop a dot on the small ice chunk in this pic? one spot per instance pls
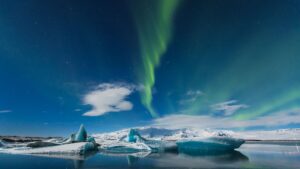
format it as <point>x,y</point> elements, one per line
<point>2,144</point>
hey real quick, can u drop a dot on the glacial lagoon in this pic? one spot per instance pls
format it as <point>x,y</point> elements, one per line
<point>247,156</point>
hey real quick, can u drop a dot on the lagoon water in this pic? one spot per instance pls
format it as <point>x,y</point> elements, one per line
<point>248,156</point>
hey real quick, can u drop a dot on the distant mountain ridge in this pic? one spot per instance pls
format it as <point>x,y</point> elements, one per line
<point>176,134</point>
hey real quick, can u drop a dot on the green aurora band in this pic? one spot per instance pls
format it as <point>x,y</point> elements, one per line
<point>154,29</point>
<point>265,76</point>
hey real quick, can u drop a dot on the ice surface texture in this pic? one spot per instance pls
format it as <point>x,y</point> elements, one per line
<point>78,143</point>
<point>161,140</point>
<point>2,144</point>
<point>212,144</point>
<point>74,148</point>
<point>133,141</point>
<point>81,135</point>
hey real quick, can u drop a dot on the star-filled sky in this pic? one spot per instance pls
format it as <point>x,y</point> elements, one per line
<point>169,63</point>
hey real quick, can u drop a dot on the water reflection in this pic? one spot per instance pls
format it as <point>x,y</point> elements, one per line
<point>224,157</point>
<point>171,159</point>
<point>78,160</point>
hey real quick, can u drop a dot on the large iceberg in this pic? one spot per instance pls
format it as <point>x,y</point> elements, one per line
<point>154,145</point>
<point>210,144</point>
<point>125,147</point>
<point>161,140</point>
<point>78,143</point>
<point>74,148</point>
<point>131,141</point>
<point>80,136</point>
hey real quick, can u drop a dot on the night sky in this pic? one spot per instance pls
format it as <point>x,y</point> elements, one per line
<point>113,64</point>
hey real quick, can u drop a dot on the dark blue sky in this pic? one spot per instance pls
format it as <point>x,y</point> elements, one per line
<point>122,63</point>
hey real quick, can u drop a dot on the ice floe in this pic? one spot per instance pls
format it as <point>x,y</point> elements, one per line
<point>143,140</point>
<point>80,144</point>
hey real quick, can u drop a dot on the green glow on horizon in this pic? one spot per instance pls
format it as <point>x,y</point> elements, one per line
<point>268,83</point>
<point>154,25</point>
<point>271,106</point>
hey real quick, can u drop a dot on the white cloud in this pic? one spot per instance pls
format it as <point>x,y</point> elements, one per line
<point>191,96</point>
<point>108,98</point>
<point>228,107</point>
<point>5,111</point>
<point>194,93</point>
<point>205,121</point>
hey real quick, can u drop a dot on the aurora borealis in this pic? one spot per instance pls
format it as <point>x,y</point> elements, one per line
<point>236,61</point>
<point>154,24</point>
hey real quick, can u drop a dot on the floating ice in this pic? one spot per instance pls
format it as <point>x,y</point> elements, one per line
<point>2,144</point>
<point>133,135</point>
<point>154,145</point>
<point>132,141</point>
<point>160,139</point>
<point>211,144</point>
<point>78,143</point>
<point>81,135</point>
<point>75,148</point>
<point>126,147</point>
<point>38,144</point>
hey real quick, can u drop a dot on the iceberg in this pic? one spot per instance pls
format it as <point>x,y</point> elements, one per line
<point>75,148</point>
<point>131,141</point>
<point>133,135</point>
<point>165,140</point>
<point>78,143</point>
<point>81,135</point>
<point>125,147</point>
<point>41,144</point>
<point>2,144</point>
<point>154,145</point>
<point>210,144</point>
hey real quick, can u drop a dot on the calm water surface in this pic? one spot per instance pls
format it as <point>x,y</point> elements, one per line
<point>248,156</point>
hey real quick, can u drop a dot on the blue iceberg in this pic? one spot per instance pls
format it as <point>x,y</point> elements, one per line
<point>78,143</point>
<point>133,136</point>
<point>125,148</point>
<point>2,144</point>
<point>154,145</point>
<point>130,144</point>
<point>211,144</point>
<point>81,135</point>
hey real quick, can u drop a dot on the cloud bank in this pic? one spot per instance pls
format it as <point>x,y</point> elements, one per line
<point>191,96</point>
<point>228,107</point>
<point>108,98</point>
<point>205,121</point>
